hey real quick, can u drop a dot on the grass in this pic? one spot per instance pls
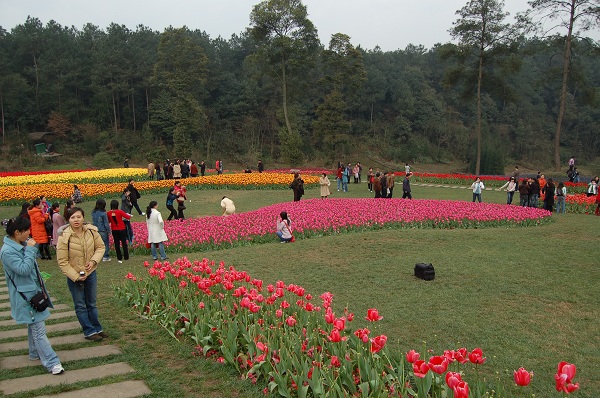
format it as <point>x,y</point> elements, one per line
<point>527,296</point>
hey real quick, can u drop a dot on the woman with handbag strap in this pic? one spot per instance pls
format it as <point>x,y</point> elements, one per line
<point>284,231</point>
<point>18,258</point>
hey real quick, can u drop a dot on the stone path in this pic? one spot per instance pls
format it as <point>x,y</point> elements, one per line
<point>63,321</point>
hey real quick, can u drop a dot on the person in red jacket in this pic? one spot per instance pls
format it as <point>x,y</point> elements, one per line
<point>38,228</point>
<point>119,231</point>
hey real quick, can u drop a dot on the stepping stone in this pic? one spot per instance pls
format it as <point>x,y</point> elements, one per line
<point>4,289</point>
<point>54,315</point>
<point>57,327</point>
<point>454,187</point>
<point>125,389</point>
<point>31,383</point>
<point>4,297</point>
<point>22,361</point>
<point>54,341</point>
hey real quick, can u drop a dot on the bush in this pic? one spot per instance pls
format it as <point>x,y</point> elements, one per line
<point>103,160</point>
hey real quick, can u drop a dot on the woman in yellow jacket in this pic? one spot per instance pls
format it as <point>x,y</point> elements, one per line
<point>79,250</point>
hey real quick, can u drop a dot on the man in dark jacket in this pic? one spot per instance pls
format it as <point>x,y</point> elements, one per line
<point>384,185</point>
<point>534,192</point>
<point>406,187</point>
<point>134,195</point>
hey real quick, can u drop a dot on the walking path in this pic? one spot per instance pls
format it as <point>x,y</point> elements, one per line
<point>64,332</point>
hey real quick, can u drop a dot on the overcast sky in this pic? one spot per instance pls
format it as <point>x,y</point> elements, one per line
<point>391,24</point>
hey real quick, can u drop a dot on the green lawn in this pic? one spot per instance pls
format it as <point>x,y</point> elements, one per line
<point>526,296</point>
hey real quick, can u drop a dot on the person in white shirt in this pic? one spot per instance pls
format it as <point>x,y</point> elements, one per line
<point>511,187</point>
<point>284,228</point>
<point>228,206</point>
<point>477,187</point>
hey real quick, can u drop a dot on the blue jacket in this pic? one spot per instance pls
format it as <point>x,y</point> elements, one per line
<point>19,263</point>
<point>100,220</point>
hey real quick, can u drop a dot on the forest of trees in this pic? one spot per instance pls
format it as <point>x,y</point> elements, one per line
<point>276,92</point>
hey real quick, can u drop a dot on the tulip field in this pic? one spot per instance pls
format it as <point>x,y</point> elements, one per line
<point>111,182</point>
<point>338,312</point>
<point>316,217</point>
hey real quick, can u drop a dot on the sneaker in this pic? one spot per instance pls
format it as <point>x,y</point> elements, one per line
<point>94,337</point>
<point>57,369</point>
<point>103,334</point>
<point>143,214</point>
<point>106,259</point>
<point>163,259</point>
<point>154,258</point>
<point>120,261</point>
<point>34,359</point>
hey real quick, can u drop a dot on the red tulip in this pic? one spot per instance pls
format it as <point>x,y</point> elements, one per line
<point>335,336</point>
<point>291,321</point>
<point>449,355</point>
<point>569,388</point>
<point>339,323</point>
<point>377,343</point>
<point>452,379</point>
<point>461,390</point>
<point>567,369</point>
<point>329,315</point>
<point>335,362</point>
<point>412,356</point>
<point>565,373</point>
<point>438,364</point>
<point>476,356</point>
<point>373,315</point>
<point>420,368</point>
<point>523,377</point>
<point>362,334</point>
<point>461,355</point>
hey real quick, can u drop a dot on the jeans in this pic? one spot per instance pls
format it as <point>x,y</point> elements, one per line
<point>406,195</point>
<point>120,238</point>
<point>39,345</point>
<point>161,249</point>
<point>477,196</point>
<point>509,197</point>
<point>84,298</point>
<point>560,203</point>
<point>345,186</point>
<point>339,181</point>
<point>524,200</point>
<point>281,238</point>
<point>389,195</point>
<point>533,200</point>
<point>104,235</point>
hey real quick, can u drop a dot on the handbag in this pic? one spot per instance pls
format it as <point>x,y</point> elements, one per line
<point>290,231</point>
<point>39,301</point>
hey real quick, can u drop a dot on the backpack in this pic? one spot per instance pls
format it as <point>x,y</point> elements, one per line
<point>48,224</point>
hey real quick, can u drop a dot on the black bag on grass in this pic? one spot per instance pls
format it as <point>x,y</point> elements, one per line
<point>424,271</point>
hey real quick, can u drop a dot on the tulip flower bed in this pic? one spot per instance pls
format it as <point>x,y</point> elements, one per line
<point>61,191</point>
<point>303,172</point>
<point>467,180</point>
<point>316,217</point>
<point>74,177</point>
<point>28,173</point>
<point>298,345</point>
<point>580,203</point>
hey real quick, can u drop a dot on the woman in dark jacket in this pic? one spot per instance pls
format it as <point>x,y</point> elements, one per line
<point>171,198</point>
<point>549,198</point>
<point>298,187</point>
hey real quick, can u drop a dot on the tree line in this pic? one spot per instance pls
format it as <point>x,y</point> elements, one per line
<point>276,92</point>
